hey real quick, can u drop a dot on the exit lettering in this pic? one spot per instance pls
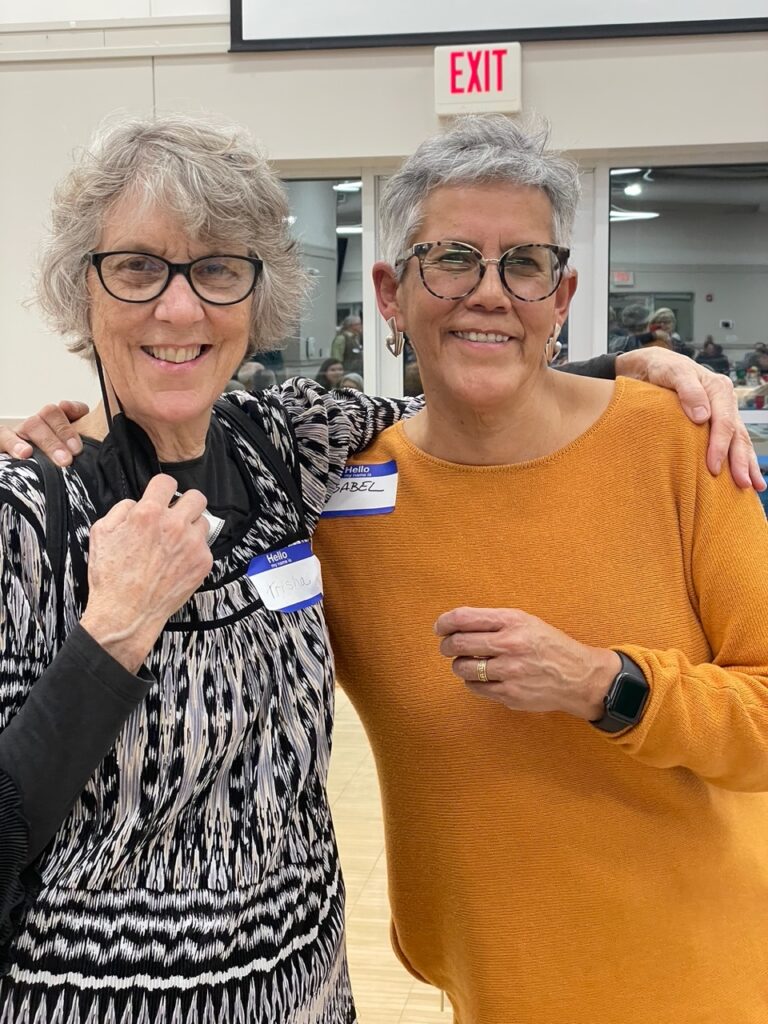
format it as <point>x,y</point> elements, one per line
<point>477,71</point>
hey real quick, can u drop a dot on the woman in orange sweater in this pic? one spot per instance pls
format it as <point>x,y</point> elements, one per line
<point>579,833</point>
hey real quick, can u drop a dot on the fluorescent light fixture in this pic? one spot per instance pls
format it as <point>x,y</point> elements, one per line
<point>626,170</point>
<point>619,215</point>
<point>348,186</point>
<point>635,189</point>
<point>350,229</point>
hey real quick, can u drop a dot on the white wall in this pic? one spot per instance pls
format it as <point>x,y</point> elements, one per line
<point>694,99</point>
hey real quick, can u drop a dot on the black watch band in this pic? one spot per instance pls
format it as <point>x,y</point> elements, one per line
<point>626,699</point>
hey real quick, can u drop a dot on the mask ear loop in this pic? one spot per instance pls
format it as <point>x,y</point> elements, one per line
<point>105,392</point>
<point>214,524</point>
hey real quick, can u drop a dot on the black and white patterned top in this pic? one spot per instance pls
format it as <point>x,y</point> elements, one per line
<point>196,877</point>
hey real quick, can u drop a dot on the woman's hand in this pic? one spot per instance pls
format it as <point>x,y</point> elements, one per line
<point>145,560</point>
<point>704,395</point>
<point>530,665</point>
<point>51,430</point>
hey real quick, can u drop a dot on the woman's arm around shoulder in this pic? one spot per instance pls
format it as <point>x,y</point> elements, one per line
<point>326,428</point>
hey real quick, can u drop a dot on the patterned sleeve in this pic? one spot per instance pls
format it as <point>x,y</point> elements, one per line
<point>325,428</point>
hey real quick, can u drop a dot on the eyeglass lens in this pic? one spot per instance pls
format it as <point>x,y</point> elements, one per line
<point>451,270</point>
<point>139,277</point>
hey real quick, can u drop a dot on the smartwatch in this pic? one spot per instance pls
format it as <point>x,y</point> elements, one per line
<point>626,699</point>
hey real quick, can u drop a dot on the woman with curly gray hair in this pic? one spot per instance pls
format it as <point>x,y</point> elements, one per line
<point>166,686</point>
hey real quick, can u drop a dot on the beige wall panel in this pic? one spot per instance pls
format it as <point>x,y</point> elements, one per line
<point>602,95</point>
<point>613,94</point>
<point>46,111</point>
<point>361,105</point>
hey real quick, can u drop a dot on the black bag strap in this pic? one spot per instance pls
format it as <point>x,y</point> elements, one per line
<point>56,528</point>
<point>240,420</point>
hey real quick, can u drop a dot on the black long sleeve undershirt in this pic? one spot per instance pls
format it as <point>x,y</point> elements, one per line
<point>49,750</point>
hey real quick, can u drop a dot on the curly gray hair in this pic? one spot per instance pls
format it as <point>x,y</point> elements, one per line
<point>478,149</point>
<point>213,177</point>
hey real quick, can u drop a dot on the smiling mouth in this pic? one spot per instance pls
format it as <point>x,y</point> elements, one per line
<point>166,354</point>
<point>483,337</point>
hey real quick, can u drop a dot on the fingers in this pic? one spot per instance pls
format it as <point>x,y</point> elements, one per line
<point>467,669</point>
<point>470,645</point>
<point>53,434</point>
<point>159,491</point>
<point>74,410</point>
<point>726,426</point>
<point>117,514</point>
<point>742,461</point>
<point>12,444</point>
<point>692,384</point>
<point>476,620</point>
<point>191,505</point>
<point>671,370</point>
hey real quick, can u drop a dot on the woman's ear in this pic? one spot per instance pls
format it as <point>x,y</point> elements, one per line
<point>386,284</point>
<point>564,295</point>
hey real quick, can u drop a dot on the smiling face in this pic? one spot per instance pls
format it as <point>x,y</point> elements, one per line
<point>334,373</point>
<point>169,359</point>
<point>482,349</point>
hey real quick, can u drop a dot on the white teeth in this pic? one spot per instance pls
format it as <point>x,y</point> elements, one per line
<point>175,355</point>
<point>491,339</point>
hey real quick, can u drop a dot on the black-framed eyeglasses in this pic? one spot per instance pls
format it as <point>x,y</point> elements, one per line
<point>452,270</point>
<point>221,280</point>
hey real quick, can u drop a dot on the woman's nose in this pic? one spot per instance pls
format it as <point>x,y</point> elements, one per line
<point>490,292</point>
<point>178,303</point>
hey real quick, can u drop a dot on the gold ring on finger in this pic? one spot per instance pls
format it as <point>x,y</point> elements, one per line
<point>481,667</point>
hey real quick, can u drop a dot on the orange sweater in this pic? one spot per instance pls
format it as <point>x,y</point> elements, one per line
<point>542,872</point>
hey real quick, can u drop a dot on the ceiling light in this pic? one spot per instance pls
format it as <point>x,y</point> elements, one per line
<point>350,229</point>
<point>619,215</point>
<point>626,170</point>
<point>348,186</point>
<point>635,189</point>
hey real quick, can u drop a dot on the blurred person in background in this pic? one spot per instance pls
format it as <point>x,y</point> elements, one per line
<point>712,355</point>
<point>635,320</point>
<point>353,381</point>
<point>750,359</point>
<point>330,373</point>
<point>347,346</point>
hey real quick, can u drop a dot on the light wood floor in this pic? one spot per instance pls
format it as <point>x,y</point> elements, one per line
<point>385,993</point>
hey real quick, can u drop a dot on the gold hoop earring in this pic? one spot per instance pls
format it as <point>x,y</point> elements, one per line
<point>395,339</point>
<point>553,348</point>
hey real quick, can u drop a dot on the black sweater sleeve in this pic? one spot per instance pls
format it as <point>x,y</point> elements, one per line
<point>49,750</point>
<point>600,366</point>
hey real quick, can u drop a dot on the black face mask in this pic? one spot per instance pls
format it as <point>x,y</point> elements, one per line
<point>128,461</point>
<point>128,458</point>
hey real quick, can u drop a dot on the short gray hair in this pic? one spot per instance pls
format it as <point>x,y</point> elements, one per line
<point>478,149</point>
<point>212,176</point>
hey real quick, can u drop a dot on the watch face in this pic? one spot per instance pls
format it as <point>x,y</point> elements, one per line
<point>629,697</point>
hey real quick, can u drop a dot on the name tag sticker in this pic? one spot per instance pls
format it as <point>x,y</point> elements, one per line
<point>289,579</point>
<point>365,490</point>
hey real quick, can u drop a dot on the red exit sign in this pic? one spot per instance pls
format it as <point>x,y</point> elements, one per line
<point>478,78</point>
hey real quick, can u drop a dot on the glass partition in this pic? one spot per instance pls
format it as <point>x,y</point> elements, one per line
<point>327,342</point>
<point>689,271</point>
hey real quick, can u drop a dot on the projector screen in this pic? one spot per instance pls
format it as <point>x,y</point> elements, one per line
<point>316,24</point>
